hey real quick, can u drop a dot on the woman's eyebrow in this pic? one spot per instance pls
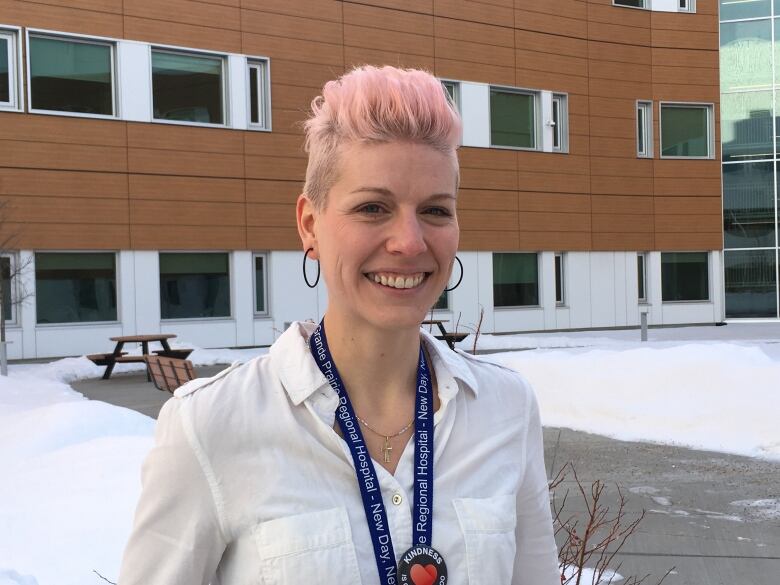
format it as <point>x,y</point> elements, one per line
<point>388,193</point>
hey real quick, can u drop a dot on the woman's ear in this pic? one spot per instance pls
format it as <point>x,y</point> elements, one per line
<point>306,215</point>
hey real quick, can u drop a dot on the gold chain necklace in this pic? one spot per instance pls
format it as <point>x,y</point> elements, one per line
<point>387,448</point>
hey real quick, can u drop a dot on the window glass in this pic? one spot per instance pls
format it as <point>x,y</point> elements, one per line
<point>748,208</point>
<point>515,280</point>
<point>746,125</point>
<point>512,119</point>
<point>684,276</point>
<point>635,3</point>
<point>745,55</point>
<point>260,284</point>
<point>560,116</point>
<point>644,129</point>
<point>641,273</point>
<point>685,131</point>
<point>187,87</point>
<point>257,95</point>
<point>736,9</point>
<point>751,283</point>
<point>75,288</point>
<point>71,76</point>
<point>442,302</point>
<point>452,91</point>
<point>559,279</point>
<point>5,71</point>
<point>194,285</point>
<point>5,267</point>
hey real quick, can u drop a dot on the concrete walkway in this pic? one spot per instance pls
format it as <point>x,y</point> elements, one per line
<point>691,522</point>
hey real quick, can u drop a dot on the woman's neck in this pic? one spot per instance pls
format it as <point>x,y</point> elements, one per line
<point>378,366</point>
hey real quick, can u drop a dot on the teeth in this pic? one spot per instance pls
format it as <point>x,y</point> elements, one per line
<point>397,281</point>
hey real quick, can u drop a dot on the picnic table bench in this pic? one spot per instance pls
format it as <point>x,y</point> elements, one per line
<point>118,356</point>
<point>450,338</point>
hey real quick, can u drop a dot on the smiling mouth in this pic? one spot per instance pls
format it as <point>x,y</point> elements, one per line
<point>400,281</point>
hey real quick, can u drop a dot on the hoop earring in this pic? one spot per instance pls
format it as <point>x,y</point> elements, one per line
<point>306,278</point>
<point>457,284</point>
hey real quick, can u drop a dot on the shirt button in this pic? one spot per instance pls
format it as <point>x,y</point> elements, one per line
<point>397,499</point>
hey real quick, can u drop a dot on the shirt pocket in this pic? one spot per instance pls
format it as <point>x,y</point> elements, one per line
<point>488,526</point>
<point>307,548</point>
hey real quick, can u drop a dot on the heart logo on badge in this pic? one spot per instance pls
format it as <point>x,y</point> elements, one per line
<point>423,575</point>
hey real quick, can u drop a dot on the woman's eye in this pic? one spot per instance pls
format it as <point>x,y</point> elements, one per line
<point>370,208</point>
<point>440,211</point>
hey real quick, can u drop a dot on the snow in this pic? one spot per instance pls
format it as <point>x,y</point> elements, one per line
<point>71,467</point>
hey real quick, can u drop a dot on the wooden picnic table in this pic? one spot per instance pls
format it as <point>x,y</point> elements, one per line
<point>450,338</point>
<point>110,359</point>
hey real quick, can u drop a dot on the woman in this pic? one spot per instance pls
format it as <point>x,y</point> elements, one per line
<point>362,450</point>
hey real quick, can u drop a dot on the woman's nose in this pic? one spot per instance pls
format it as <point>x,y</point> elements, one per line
<point>406,236</point>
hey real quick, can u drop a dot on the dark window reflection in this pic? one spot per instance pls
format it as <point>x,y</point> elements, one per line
<point>748,205</point>
<point>5,78</point>
<point>684,276</point>
<point>751,283</point>
<point>70,76</point>
<point>75,288</point>
<point>515,280</point>
<point>187,87</point>
<point>194,285</point>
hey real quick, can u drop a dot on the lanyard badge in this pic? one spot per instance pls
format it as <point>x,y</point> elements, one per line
<point>421,564</point>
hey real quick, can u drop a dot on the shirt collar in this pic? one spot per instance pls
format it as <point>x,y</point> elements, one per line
<point>301,377</point>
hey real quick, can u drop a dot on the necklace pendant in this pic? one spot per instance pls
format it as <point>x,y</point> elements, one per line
<point>387,448</point>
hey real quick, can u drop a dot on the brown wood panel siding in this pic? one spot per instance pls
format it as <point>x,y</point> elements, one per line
<point>103,184</point>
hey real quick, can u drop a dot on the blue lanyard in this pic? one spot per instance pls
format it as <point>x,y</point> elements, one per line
<point>364,466</point>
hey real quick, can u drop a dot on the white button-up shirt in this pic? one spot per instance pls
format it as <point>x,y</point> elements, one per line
<point>248,483</point>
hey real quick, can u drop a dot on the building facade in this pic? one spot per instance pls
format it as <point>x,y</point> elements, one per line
<point>150,158</point>
<point>750,75</point>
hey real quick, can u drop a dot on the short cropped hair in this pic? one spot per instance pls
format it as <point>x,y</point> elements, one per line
<point>373,105</point>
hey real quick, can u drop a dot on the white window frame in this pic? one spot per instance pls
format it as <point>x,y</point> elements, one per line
<point>13,35</point>
<point>263,67</point>
<point>267,311</point>
<point>195,53</point>
<point>562,263</point>
<point>642,299</point>
<point>645,5</point>
<point>644,110</point>
<point>14,284</point>
<point>536,95</point>
<point>710,129</point>
<point>455,91</point>
<point>686,6</point>
<point>560,103</point>
<point>117,281</point>
<point>87,39</point>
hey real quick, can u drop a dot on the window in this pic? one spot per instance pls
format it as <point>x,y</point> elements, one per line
<point>259,112</point>
<point>8,75</point>
<point>737,9</point>
<point>644,129</point>
<point>188,87</point>
<point>5,274</point>
<point>71,75</point>
<point>685,276</point>
<point>443,302</point>
<point>631,3</point>
<point>687,5</point>
<point>261,289</point>
<point>560,121</point>
<point>560,297</point>
<point>72,287</point>
<point>515,280</point>
<point>686,131</point>
<point>641,277</point>
<point>453,90</point>
<point>194,285</point>
<point>512,118</point>
<point>750,283</point>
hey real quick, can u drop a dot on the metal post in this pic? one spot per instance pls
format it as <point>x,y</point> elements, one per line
<point>643,317</point>
<point>3,359</point>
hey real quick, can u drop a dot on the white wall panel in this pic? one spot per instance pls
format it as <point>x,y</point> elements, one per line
<point>485,291</point>
<point>621,284</point>
<point>243,296</point>
<point>465,300</point>
<point>664,5</point>
<point>237,82</point>
<point>135,81</point>
<point>290,298</point>
<point>26,313</point>
<point>579,290</point>
<point>126,288</point>
<point>475,111</point>
<point>547,288</point>
<point>204,333</point>
<point>655,314</point>
<point>526,319</point>
<point>74,340</point>
<point>147,291</point>
<point>602,289</point>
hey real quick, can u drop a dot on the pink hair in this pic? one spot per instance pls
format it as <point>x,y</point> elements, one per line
<point>374,105</point>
